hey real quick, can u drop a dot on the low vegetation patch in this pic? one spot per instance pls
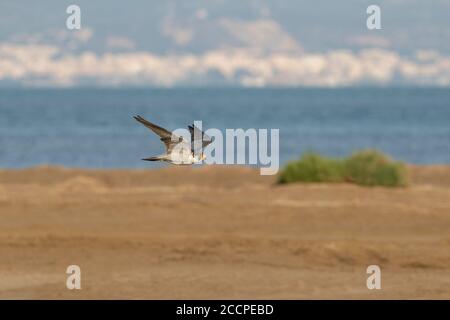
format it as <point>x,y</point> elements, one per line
<point>367,168</point>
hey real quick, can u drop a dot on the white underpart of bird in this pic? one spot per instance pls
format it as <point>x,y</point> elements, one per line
<point>178,150</point>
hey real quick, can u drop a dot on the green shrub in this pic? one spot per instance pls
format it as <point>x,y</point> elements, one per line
<point>373,168</point>
<point>367,167</point>
<point>312,167</point>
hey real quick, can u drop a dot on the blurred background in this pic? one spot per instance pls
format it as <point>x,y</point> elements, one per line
<point>218,43</point>
<point>312,69</point>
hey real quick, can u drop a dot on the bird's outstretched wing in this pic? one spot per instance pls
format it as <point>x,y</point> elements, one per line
<point>167,137</point>
<point>197,134</point>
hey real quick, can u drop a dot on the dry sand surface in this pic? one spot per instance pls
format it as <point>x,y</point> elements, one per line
<point>216,232</point>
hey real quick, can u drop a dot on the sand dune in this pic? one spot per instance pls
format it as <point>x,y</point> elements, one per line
<point>217,232</point>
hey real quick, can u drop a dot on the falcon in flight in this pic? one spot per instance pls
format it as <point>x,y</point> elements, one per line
<point>178,150</point>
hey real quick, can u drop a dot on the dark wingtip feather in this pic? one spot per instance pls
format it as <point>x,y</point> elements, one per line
<point>139,119</point>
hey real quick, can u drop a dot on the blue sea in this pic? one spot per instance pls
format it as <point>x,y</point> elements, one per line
<point>95,127</point>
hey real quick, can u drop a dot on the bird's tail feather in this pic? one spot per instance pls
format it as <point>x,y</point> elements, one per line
<point>157,158</point>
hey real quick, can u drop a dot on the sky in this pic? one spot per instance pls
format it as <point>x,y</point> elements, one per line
<point>252,43</point>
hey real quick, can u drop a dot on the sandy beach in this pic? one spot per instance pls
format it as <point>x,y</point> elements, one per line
<point>220,233</point>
